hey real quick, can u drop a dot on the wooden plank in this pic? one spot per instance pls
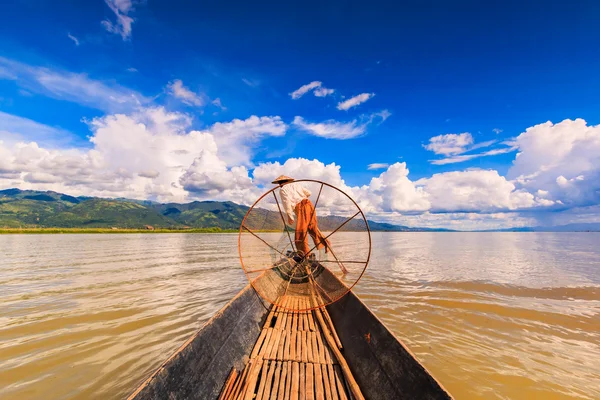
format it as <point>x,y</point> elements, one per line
<point>284,315</point>
<point>295,386</point>
<point>237,389</point>
<point>276,378</point>
<point>249,390</point>
<point>278,319</point>
<point>313,338</point>
<point>259,343</point>
<point>310,388</point>
<point>304,347</point>
<point>287,346</point>
<point>341,388</point>
<point>288,381</point>
<point>326,384</point>
<point>319,391</point>
<point>295,316</point>
<point>266,393</point>
<point>309,350</point>
<point>266,349</point>
<point>270,317</point>
<point>332,385</point>
<point>282,381</point>
<point>349,379</point>
<point>288,325</point>
<point>322,352</point>
<point>302,382</point>
<point>298,346</point>
<point>292,346</point>
<point>228,384</point>
<point>273,352</point>
<point>281,345</point>
<point>263,379</point>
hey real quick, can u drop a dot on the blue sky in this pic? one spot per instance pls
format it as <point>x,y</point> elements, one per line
<point>473,74</point>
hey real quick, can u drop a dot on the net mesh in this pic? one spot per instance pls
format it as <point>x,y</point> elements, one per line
<point>322,262</point>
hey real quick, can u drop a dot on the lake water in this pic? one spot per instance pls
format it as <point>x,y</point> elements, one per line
<point>491,315</point>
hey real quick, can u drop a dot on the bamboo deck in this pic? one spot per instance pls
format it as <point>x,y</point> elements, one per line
<point>292,358</point>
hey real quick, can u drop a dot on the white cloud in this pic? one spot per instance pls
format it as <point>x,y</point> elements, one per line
<point>331,129</point>
<point>154,154</point>
<point>237,138</point>
<point>149,154</point>
<point>474,190</point>
<point>354,101</point>
<point>131,69</point>
<point>217,102</point>
<point>450,143</point>
<point>79,88</point>
<point>466,157</point>
<point>73,38</point>
<point>122,26</point>
<point>323,92</point>
<point>453,146</point>
<point>378,166</point>
<point>393,191</point>
<point>184,94</point>
<point>561,159</point>
<point>497,131</point>
<point>296,94</point>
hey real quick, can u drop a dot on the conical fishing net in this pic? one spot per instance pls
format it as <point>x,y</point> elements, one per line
<point>321,263</point>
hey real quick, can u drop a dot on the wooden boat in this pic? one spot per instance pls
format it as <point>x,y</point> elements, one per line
<point>253,350</point>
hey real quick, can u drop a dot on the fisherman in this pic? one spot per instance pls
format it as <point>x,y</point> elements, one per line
<point>296,202</point>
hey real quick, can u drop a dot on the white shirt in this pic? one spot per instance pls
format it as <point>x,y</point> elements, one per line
<point>292,194</point>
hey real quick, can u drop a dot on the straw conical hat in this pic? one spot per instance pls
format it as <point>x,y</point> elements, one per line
<point>282,179</point>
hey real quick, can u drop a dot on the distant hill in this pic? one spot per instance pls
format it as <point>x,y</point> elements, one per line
<point>31,209</point>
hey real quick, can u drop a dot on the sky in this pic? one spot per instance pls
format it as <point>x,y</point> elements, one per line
<point>463,114</point>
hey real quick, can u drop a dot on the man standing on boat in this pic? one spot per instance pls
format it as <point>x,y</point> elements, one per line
<point>296,202</point>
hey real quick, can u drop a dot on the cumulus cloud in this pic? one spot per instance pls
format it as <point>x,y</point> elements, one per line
<point>474,190</point>
<point>562,160</point>
<point>122,25</point>
<point>393,191</point>
<point>154,154</point>
<point>354,101</point>
<point>78,88</point>
<point>178,90</point>
<point>237,138</point>
<point>148,154</point>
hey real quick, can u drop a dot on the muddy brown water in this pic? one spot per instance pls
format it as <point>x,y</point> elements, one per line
<point>491,315</point>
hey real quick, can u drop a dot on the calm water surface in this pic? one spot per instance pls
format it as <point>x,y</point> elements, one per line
<point>491,315</point>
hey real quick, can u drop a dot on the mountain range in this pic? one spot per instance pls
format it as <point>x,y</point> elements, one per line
<point>37,209</point>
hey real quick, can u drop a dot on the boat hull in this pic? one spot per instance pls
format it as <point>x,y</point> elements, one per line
<point>382,365</point>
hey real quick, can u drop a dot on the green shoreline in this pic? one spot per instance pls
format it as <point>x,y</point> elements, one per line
<point>109,230</point>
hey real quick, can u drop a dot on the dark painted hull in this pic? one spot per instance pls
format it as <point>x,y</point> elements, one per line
<point>383,367</point>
